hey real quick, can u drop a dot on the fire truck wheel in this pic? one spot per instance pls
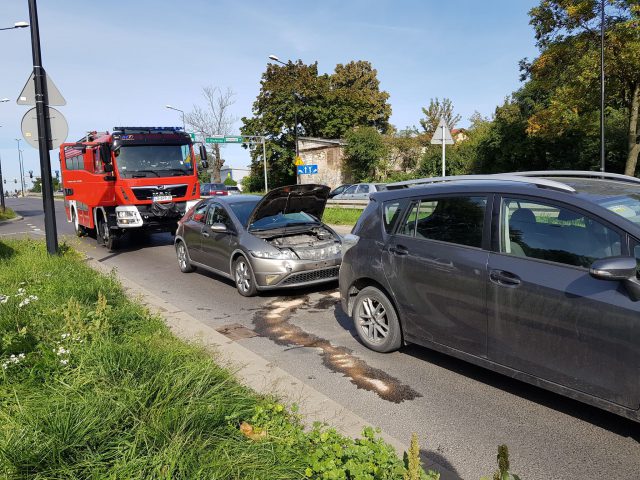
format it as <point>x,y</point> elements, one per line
<point>81,231</point>
<point>105,236</point>
<point>183,258</point>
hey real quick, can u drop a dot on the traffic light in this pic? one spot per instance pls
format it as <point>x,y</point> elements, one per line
<point>30,173</point>
<point>15,180</point>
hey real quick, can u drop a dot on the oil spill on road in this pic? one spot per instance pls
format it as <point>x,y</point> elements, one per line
<point>272,322</point>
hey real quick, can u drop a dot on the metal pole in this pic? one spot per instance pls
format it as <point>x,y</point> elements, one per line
<point>21,167</point>
<point>1,187</point>
<point>44,132</point>
<point>264,161</point>
<point>443,154</point>
<point>602,148</point>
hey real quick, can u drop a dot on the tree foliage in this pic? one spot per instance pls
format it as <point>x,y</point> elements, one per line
<point>436,111</point>
<point>325,106</point>
<point>364,150</point>
<point>567,71</point>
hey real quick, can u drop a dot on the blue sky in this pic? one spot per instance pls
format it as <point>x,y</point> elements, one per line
<point>120,62</point>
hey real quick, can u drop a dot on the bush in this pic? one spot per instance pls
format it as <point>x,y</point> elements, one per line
<point>230,181</point>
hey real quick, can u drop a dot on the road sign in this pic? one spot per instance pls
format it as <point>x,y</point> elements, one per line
<point>223,139</point>
<point>28,94</point>
<point>59,128</point>
<point>441,133</point>
<point>193,136</point>
<point>307,169</point>
<point>298,161</point>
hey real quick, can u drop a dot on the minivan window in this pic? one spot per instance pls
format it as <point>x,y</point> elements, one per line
<point>554,233</point>
<point>456,220</point>
<point>392,212</point>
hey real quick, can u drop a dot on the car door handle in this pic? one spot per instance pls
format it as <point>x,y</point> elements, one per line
<point>399,250</point>
<point>505,279</point>
<point>205,235</point>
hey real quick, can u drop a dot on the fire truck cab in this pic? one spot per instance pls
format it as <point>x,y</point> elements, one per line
<point>133,179</point>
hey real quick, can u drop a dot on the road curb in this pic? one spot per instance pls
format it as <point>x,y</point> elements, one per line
<point>257,373</point>
<point>11,220</point>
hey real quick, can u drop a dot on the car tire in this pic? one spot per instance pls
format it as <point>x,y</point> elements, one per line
<point>244,278</point>
<point>376,321</point>
<point>183,258</point>
<point>104,236</point>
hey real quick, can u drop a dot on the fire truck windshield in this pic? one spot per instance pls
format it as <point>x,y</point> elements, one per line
<point>138,161</point>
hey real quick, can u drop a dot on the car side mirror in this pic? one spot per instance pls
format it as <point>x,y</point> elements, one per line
<point>613,268</point>
<point>622,269</point>
<point>218,227</point>
<point>203,157</point>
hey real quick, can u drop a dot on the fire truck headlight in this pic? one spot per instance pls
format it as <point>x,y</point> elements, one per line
<point>128,216</point>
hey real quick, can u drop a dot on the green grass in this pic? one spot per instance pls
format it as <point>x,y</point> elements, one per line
<point>7,214</point>
<point>341,216</point>
<point>93,386</point>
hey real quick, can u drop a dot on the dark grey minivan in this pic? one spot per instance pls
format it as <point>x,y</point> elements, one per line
<point>532,274</point>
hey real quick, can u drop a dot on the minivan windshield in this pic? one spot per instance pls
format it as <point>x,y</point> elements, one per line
<point>627,206</point>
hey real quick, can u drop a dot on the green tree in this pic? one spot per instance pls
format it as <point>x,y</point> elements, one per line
<point>436,111</point>
<point>37,185</point>
<point>567,71</point>
<point>364,150</point>
<point>325,105</point>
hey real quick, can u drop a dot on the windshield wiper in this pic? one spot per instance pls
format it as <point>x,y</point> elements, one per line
<point>182,171</point>
<point>133,174</point>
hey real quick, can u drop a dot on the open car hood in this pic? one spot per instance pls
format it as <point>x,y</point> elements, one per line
<point>307,198</point>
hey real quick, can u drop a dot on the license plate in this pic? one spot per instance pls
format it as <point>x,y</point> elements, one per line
<point>162,198</point>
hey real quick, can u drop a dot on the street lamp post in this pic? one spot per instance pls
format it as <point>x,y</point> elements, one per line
<point>295,112</point>
<point>181,112</point>
<point>16,25</point>
<point>602,150</point>
<point>21,167</point>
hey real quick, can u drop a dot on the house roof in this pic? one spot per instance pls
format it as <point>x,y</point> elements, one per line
<point>326,141</point>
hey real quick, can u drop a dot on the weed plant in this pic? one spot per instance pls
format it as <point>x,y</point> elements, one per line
<point>92,386</point>
<point>6,214</point>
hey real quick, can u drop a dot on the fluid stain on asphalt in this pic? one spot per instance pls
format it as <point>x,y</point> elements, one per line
<point>273,322</point>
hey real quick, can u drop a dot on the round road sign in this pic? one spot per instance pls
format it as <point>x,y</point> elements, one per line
<point>59,128</point>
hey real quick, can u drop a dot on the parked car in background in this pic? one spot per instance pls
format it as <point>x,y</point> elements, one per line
<point>211,189</point>
<point>339,190</point>
<point>233,190</point>
<point>359,191</point>
<point>533,275</point>
<point>262,243</point>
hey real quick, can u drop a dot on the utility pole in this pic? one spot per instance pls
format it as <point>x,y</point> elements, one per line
<point>44,132</point>
<point>602,151</point>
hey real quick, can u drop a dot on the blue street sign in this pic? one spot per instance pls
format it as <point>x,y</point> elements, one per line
<point>307,169</point>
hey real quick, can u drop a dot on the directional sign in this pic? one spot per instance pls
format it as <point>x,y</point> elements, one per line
<point>298,161</point>
<point>442,133</point>
<point>193,136</point>
<point>28,94</point>
<point>223,139</point>
<point>307,169</point>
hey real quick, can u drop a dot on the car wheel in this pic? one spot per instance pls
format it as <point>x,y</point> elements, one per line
<point>80,230</point>
<point>183,258</point>
<point>376,321</point>
<point>243,276</point>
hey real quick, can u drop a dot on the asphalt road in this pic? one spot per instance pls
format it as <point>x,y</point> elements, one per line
<point>461,412</point>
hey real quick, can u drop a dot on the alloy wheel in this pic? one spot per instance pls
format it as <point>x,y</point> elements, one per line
<point>372,320</point>
<point>243,276</point>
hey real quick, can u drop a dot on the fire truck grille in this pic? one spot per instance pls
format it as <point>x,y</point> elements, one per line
<point>147,193</point>
<point>311,276</point>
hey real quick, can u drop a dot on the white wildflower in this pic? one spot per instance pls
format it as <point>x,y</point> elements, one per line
<point>24,302</point>
<point>64,335</point>
<point>21,291</point>
<point>62,351</point>
<point>4,298</point>
<point>64,362</point>
<point>22,283</point>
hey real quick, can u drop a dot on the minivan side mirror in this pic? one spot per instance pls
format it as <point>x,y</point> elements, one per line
<point>618,269</point>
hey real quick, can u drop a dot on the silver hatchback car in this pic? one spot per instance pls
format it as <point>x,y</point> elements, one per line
<point>276,241</point>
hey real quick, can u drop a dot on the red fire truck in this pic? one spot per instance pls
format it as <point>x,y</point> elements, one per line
<point>133,179</point>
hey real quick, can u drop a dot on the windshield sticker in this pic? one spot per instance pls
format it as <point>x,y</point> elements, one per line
<point>127,137</point>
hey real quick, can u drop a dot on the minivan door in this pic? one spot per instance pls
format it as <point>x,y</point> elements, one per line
<point>437,269</point>
<point>547,316</point>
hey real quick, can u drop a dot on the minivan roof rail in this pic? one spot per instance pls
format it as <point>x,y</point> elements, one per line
<point>579,174</point>
<point>539,182</point>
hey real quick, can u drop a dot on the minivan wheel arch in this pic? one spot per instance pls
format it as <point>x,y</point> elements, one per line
<point>361,283</point>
